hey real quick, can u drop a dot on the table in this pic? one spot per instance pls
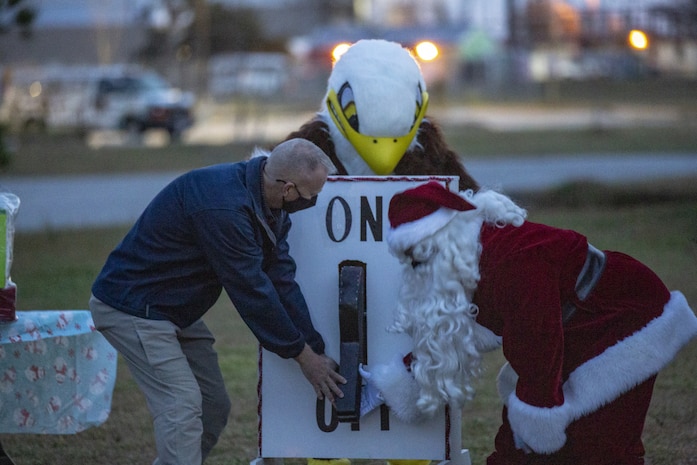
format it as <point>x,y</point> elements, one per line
<point>57,373</point>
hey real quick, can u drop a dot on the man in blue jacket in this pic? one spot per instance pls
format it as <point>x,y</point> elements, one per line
<point>219,227</point>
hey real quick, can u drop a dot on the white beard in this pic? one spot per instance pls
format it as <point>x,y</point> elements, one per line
<point>435,303</point>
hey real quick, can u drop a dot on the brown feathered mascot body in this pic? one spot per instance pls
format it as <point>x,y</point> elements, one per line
<point>373,117</point>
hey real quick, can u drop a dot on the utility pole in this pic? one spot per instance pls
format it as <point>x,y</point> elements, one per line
<point>513,43</point>
<point>202,41</point>
<point>512,21</point>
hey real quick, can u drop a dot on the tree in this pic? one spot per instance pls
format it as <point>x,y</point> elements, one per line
<point>16,13</point>
<point>13,13</point>
<point>234,30</point>
<point>168,24</point>
<point>177,23</point>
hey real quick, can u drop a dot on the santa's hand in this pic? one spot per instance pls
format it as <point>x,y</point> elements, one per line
<point>371,398</point>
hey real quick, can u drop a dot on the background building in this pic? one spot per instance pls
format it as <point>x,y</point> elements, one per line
<point>488,43</point>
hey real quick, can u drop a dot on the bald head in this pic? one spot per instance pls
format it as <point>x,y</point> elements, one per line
<point>297,159</point>
<point>295,170</point>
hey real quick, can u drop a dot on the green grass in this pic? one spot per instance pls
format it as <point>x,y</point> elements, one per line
<point>50,154</point>
<point>54,270</point>
<point>478,142</point>
<point>57,154</point>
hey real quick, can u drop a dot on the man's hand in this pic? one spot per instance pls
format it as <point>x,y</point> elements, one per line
<point>320,371</point>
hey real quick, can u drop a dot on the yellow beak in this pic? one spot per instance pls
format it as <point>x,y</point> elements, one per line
<point>381,154</point>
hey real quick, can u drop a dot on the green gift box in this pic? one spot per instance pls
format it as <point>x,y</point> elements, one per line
<point>9,204</point>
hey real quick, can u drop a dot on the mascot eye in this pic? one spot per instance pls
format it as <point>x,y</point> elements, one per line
<point>348,105</point>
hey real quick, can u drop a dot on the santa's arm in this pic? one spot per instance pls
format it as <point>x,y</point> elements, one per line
<point>528,296</point>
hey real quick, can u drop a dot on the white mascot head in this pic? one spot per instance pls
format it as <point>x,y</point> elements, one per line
<point>435,234</point>
<point>376,99</point>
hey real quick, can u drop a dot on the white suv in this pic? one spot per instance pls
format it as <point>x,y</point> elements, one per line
<point>137,102</point>
<point>89,97</point>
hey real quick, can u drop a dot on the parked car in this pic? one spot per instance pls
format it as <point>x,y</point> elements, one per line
<point>241,73</point>
<point>117,97</point>
<point>138,102</point>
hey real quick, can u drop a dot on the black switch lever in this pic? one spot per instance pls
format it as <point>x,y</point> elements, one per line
<point>352,316</point>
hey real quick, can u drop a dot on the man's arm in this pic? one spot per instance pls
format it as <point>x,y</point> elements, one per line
<point>234,250</point>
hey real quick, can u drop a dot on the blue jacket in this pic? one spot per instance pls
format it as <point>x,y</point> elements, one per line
<point>207,230</point>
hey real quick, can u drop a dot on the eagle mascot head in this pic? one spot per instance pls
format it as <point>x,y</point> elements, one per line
<point>373,117</point>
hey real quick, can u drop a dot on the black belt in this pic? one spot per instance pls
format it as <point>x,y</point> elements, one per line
<point>587,279</point>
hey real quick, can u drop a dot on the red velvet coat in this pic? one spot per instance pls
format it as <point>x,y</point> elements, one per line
<point>561,375</point>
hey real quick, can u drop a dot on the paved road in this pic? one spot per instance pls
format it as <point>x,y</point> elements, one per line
<point>108,200</point>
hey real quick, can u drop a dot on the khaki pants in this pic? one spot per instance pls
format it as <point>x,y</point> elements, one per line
<point>178,372</point>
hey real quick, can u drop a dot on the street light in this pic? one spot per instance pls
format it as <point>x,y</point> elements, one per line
<point>638,39</point>
<point>339,50</point>
<point>426,50</point>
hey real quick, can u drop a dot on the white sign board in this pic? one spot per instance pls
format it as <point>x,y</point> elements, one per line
<point>349,223</point>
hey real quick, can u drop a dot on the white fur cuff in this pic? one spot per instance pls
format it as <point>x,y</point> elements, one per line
<point>602,379</point>
<point>399,389</point>
<point>540,428</point>
<point>407,235</point>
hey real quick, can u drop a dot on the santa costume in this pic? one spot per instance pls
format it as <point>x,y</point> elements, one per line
<point>584,331</point>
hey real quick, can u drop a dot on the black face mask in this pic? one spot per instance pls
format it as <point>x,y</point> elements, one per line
<point>301,203</point>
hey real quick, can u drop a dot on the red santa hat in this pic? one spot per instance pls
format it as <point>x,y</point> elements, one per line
<point>421,211</point>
